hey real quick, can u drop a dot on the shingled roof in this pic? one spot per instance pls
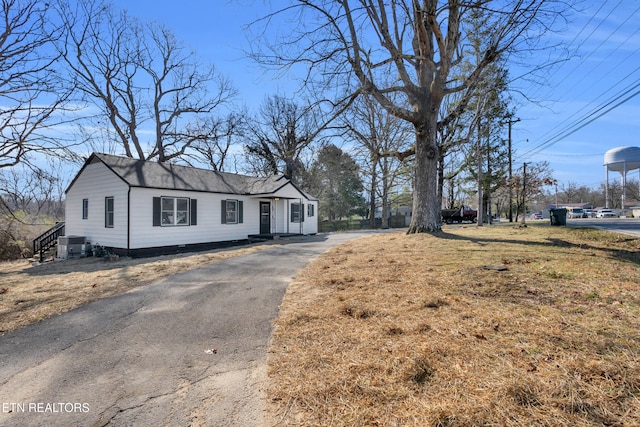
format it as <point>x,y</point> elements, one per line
<point>149,174</point>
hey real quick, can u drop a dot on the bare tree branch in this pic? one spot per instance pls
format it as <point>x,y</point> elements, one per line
<point>360,44</point>
<point>30,88</point>
<point>147,86</point>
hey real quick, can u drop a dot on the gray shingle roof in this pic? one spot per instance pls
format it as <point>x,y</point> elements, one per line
<point>148,174</point>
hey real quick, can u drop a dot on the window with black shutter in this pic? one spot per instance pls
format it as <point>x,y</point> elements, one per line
<point>174,211</point>
<point>231,211</point>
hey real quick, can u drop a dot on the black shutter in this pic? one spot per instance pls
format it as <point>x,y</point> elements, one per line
<point>291,206</point>
<point>194,211</point>
<point>223,215</point>
<point>157,211</point>
<point>240,214</point>
<point>301,212</point>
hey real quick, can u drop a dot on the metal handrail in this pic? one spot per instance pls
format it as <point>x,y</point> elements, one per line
<point>45,240</point>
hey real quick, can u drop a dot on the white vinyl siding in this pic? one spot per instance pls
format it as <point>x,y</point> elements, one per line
<point>204,224</point>
<point>94,184</point>
<point>210,226</point>
<point>301,224</point>
<point>281,216</point>
<point>288,191</point>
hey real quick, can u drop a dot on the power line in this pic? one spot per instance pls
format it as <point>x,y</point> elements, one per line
<point>603,61</point>
<point>623,61</point>
<point>588,38</point>
<point>575,50</point>
<point>590,118</point>
<point>577,155</point>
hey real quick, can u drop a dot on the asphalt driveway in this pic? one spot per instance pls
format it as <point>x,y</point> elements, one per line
<point>187,350</point>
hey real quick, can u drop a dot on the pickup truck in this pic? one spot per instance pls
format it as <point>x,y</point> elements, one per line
<point>460,214</point>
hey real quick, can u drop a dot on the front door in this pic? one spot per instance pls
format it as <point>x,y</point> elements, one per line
<point>265,217</point>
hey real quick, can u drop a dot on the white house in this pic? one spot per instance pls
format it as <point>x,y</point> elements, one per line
<point>137,207</point>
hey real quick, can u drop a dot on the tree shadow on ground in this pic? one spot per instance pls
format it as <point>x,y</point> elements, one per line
<point>550,243</point>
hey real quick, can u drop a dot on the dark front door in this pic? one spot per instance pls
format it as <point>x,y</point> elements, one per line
<point>265,217</point>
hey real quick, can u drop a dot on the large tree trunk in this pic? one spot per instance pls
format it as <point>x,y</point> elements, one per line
<point>372,202</point>
<point>385,193</point>
<point>440,175</point>
<point>426,209</point>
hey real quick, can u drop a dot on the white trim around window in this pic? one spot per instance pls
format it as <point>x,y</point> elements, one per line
<point>231,212</point>
<point>297,212</point>
<point>85,208</point>
<point>109,209</point>
<point>174,211</point>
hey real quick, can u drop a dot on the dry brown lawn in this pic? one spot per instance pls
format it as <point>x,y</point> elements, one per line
<point>29,293</point>
<point>491,326</point>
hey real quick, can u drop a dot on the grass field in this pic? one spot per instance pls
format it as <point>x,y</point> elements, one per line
<point>477,326</point>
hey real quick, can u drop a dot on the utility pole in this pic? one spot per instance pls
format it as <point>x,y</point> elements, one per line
<point>480,217</point>
<point>510,122</point>
<point>488,180</point>
<point>524,194</point>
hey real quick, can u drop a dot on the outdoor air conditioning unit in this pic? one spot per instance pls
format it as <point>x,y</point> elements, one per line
<point>73,246</point>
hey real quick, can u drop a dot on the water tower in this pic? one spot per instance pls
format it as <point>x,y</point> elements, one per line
<point>623,160</point>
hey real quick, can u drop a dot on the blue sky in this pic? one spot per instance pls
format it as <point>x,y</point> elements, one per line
<point>215,30</point>
<point>602,71</point>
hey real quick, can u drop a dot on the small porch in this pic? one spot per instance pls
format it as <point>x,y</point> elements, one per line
<point>271,236</point>
<point>276,218</point>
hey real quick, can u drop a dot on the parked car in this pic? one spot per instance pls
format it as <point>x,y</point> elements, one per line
<point>535,216</point>
<point>606,213</point>
<point>575,212</point>
<point>589,213</point>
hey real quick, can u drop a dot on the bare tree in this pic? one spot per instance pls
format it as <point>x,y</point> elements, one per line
<point>615,191</point>
<point>216,138</point>
<point>280,135</point>
<point>30,91</point>
<point>570,192</point>
<point>148,89</point>
<point>360,43</point>
<point>453,139</point>
<point>376,132</point>
<point>529,182</point>
<point>29,193</point>
<point>31,200</point>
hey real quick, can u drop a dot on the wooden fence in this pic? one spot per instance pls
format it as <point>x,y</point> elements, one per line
<point>359,224</point>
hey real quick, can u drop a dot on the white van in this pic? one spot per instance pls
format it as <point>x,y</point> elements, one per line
<point>575,213</point>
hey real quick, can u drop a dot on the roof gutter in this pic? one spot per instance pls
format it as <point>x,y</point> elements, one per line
<point>129,221</point>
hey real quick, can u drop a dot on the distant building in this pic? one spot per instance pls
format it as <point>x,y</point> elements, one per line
<point>571,207</point>
<point>622,160</point>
